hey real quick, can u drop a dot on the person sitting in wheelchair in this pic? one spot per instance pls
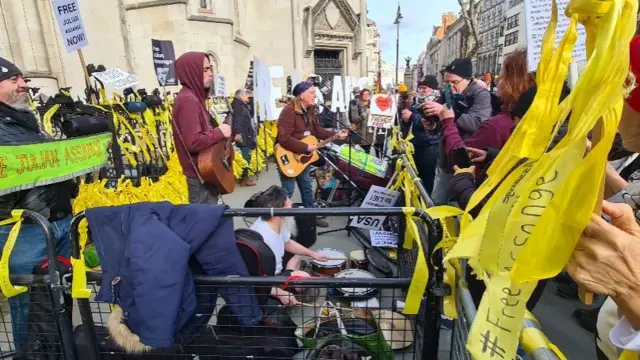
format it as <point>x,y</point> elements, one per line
<point>277,235</point>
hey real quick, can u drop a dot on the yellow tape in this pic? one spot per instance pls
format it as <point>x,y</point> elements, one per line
<point>8,289</point>
<point>420,277</point>
<point>79,288</point>
<point>46,119</point>
<point>629,355</point>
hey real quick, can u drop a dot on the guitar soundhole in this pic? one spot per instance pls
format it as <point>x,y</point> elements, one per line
<point>285,160</point>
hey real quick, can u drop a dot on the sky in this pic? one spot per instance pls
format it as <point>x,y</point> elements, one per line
<point>416,26</point>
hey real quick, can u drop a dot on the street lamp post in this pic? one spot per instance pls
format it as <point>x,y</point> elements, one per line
<point>397,23</point>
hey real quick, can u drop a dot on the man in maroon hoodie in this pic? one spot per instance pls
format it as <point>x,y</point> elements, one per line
<point>193,128</point>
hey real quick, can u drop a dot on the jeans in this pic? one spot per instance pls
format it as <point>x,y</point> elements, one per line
<point>441,194</point>
<point>304,184</point>
<point>246,154</point>
<point>29,251</point>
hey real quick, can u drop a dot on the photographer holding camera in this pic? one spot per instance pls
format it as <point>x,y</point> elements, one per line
<point>426,137</point>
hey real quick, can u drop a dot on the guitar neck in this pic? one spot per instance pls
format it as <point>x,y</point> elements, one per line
<point>325,142</point>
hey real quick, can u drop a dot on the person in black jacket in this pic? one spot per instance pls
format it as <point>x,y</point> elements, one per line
<point>18,125</point>
<point>243,130</point>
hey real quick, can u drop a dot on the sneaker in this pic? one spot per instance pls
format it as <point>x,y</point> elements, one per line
<point>322,223</point>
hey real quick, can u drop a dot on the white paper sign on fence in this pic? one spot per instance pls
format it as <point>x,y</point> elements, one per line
<point>376,197</point>
<point>537,17</point>
<point>383,111</point>
<point>116,78</point>
<point>70,24</point>
<point>386,239</point>
<point>221,86</point>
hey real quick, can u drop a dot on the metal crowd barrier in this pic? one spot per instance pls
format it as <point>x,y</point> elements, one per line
<point>423,325</point>
<point>532,340</point>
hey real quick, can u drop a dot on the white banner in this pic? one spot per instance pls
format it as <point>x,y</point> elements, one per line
<point>70,24</point>
<point>537,17</point>
<point>383,111</point>
<point>376,197</point>
<point>116,78</point>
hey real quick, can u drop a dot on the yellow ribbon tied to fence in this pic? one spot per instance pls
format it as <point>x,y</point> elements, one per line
<point>542,199</point>
<point>8,289</point>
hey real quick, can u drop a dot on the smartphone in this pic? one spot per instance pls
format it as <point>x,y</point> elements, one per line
<point>461,158</point>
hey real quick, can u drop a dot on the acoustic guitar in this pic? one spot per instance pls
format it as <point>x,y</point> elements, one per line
<point>292,164</point>
<point>215,163</point>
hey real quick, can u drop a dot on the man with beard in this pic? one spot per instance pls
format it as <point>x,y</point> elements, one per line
<point>18,126</point>
<point>194,129</point>
<point>426,136</point>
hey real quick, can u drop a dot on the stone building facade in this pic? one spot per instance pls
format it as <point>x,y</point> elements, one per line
<point>491,32</point>
<point>374,54</point>
<point>328,37</point>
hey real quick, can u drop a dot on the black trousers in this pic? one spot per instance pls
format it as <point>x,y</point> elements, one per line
<point>426,159</point>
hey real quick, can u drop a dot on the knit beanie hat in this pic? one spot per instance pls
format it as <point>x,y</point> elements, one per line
<point>8,69</point>
<point>429,81</point>
<point>460,67</point>
<point>301,87</point>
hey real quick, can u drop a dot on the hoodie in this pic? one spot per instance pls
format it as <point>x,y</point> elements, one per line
<point>190,115</point>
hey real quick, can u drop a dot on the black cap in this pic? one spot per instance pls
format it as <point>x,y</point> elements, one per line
<point>429,81</point>
<point>8,69</point>
<point>460,67</point>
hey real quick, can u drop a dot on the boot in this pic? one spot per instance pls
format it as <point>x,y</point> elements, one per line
<point>322,223</point>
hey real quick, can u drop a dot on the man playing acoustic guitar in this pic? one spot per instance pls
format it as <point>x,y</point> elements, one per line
<point>297,120</point>
<point>195,132</point>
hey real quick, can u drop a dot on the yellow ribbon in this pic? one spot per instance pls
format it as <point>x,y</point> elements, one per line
<point>8,289</point>
<point>46,119</point>
<point>420,277</point>
<point>79,288</point>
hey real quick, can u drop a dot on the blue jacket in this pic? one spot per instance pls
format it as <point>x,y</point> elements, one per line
<point>422,138</point>
<point>148,247</point>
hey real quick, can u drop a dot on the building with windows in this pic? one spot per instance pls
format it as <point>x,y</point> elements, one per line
<point>452,45</point>
<point>491,31</point>
<point>515,37</point>
<point>374,56</point>
<point>327,37</point>
<point>432,62</point>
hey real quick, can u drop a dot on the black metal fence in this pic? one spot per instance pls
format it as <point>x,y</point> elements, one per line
<point>336,316</point>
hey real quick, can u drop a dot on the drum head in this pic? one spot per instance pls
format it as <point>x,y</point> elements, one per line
<point>357,255</point>
<point>333,254</point>
<point>355,273</point>
<point>379,262</point>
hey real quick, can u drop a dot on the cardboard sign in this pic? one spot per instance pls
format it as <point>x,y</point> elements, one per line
<point>164,62</point>
<point>383,111</point>
<point>221,86</point>
<point>342,91</point>
<point>116,78</point>
<point>386,239</point>
<point>70,24</point>
<point>537,17</point>
<point>376,197</point>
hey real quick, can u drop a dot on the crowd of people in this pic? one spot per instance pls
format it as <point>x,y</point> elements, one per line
<point>462,113</point>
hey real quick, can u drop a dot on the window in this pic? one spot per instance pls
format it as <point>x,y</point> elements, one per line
<point>511,38</point>
<point>204,4</point>
<point>513,21</point>
<point>501,31</point>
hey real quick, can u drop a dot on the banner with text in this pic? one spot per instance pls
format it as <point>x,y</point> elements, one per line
<point>27,166</point>
<point>537,17</point>
<point>70,23</point>
<point>164,62</point>
<point>383,111</point>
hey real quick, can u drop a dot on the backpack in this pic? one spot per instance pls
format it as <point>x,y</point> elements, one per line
<point>277,331</point>
<point>43,341</point>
